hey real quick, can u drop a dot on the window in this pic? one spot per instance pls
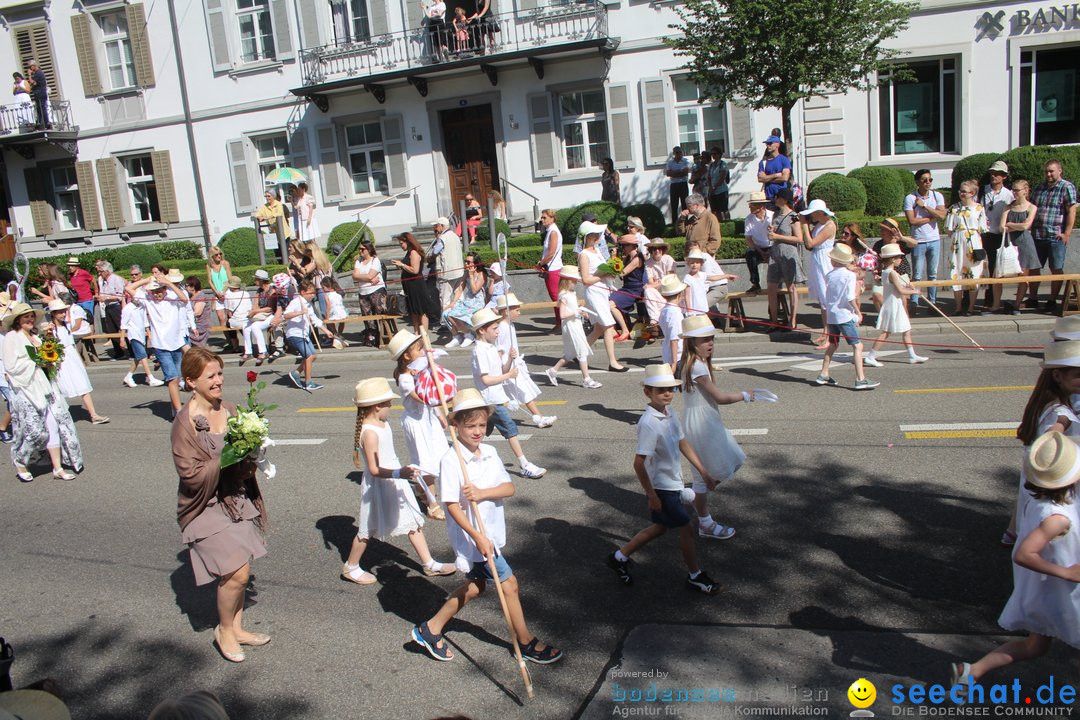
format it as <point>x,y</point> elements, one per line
<point>361,28</point>
<point>351,21</point>
<point>584,128</point>
<point>66,198</point>
<point>119,63</point>
<point>701,126</point>
<point>1049,106</point>
<point>271,151</point>
<point>256,30</point>
<point>920,116</point>
<point>142,190</point>
<point>367,162</point>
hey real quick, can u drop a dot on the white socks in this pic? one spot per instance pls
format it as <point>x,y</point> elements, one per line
<point>522,461</point>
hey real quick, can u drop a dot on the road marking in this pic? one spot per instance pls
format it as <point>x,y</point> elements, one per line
<point>960,426</point>
<point>749,431</point>
<point>950,431</point>
<point>500,438</point>
<point>299,441</point>
<point>991,388</point>
<point>846,358</point>
<point>400,407</point>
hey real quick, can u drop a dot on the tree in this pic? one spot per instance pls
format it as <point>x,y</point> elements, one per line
<point>773,53</point>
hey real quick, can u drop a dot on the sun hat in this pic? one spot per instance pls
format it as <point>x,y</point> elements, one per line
<point>507,300</point>
<point>444,221</point>
<point>234,283</point>
<point>482,317</point>
<point>402,341</point>
<point>660,376</point>
<point>57,305</point>
<point>73,260</point>
<point>468,399</point>
<point>372,392</point>
<point>999,167</point>
<point>1053,461</point>
<point>757,197</point>
<point>817,205</point>
<point>842,254</point>
<point>570,271</point>
<point>32,705</point>
<point>890,250</point>
<point>495,268</point>
<point>657,243</point>
<point>633,221</point>
<point>174,275</point>
<point>627,239</point>
<point>771,139</point>
<point>1065,328</point>
<point>154,285</point>
<point>1064,353</point>
<point>591,228</point>
<point>16,311</point>
<point>261,274</point>
<point>670,285</point>
<point>697,255</point>
<point>697,326</point>
<point>282,281</point>
<point>891,223</point>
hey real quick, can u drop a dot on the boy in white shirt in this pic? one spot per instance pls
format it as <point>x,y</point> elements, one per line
<point>671,317</point>
<point>489,372</point>
<point>843,316</point>
<point>133,325</point>
<point>299,318</point>
<point>166,308</point>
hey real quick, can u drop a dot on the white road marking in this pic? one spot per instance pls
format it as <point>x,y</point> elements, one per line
<point>841,359</point>
<point>960,426</point>
<point>748,431</point>
<point>500,438</point>
<point>299,441</point>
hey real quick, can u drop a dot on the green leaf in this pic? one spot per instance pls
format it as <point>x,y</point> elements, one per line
<point>261,385</point>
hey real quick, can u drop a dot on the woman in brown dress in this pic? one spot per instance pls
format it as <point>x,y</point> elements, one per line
<point>220,511</point>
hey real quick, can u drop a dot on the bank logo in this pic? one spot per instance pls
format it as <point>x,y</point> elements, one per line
<point>862,694</point>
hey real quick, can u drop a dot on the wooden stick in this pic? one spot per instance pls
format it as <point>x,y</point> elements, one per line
<point>949,320</point>
<point>432,368</point>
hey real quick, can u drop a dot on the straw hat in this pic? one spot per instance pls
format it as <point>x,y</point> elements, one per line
<point>32,705</point>
<point>817,206</point>
<point>174,275</point>
<point>999,167</point>
<point>507,300</point>
<point>73,260</point>
<point>841,254</point>
<point>482,317</point>
<point>670,285</point>
<point>697,326</point>
<point>1065,328</point>
<point>1065,353</point>
<point>570,271</point>
<point>154,285</point>
<point>627,239</point>
<point>402,341</point>
<point>17,310</point>
<point>890,250</point>
<point>234,283</point>
<point>468,399</point>
<point>57,305</point>
<point>891,223</point>
<point>757,197</point>
<point>660,376</point>
<point>657,243</point>
<point>372,392</point>
<point>635,222</point>
<point>590,228</point>
<point>697,255</point>
<point>1053,461</point>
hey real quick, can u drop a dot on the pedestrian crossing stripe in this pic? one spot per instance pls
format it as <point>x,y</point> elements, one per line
<point>953,431</point>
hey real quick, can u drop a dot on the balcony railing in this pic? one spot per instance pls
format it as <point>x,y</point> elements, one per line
<point>21,119</point>
<point>428,47</point>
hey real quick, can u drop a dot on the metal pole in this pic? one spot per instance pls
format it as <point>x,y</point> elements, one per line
<point>260,241</point>
<point>416,207</point>
<point>491,223</point>
<point>464,225</point>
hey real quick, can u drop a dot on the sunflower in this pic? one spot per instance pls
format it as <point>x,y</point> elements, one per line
<point>50,356</point>
<point>49,346</point>
<point>617,264</point>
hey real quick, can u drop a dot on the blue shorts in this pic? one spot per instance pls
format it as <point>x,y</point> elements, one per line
<point>672,512</point>
<point>303,345</point>
<point>137,350</point>
<point>6,392</point>
<point>170,362</point>
<point>482,571</point>
<point>1053,250</point>
<point>500,420</point>
<point>849,331</point>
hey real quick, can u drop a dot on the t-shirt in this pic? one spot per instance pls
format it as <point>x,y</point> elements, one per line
<point>674,165</point>
<point>697,304</point>
<point>168,319</point>
<point>113,287</point>
<point>929,232</point>
<point>486,361</point>
<point>75,314</point>
<point>238,303</point>
<point>658,436</point>
<point>485,472</point>
<point>82,282</point>
<point>133,322</point>
<point>839,293</point>
<point>757,231</point>
<point>552,236</point>
<point>995,204</point>
<point>771,167</point>
<point>41,83</point>
<point>718,177</point>
<point>670,322</point>
<point>367,288</point>
<point>300,326</point>
<point>711,268</point>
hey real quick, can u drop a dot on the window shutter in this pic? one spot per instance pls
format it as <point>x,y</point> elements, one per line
<point>394,153</point>
<point>312,19</point>
<point>527,4</point>
<point>283,41</point>
<point>166,190</point>
<point>329,165</point>
<point>620,137</point>
<point>415,15</point>
<point>220,58</point>
<point>33,43</point>
<point>377,19</point>
<point>84,51</point>
<point>298,152</point>
<point>243,190</point>
<point>84,174</point>
<point>742,131</point>
<point>654,117</point>
<point>542,140</point>
<point>113,192</point>
<point>140,45</point>
<point>41,210</point>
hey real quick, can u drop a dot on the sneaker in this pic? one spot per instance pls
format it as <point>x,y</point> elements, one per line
<point>469,340</point>
<point>455,342</point>
<point>314,386</point>
<point>7,437</point>
<point>129,381</point>
<point>591,384</point>
<point>703,583</point>
<point>551,376</point>
<point>825,380</point>
<point>916,359</point>
<point>546,421</point>
<point>528,470</point>
<point>297,380</point>
<point>154,382</point>
<point>866,384</point>
<point>871,361</point>
<point>621,568</point>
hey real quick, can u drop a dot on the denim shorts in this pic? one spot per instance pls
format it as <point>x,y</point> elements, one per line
<point>500,420</point>
<point>170,362</point>
<point>1052,250</point>
<point>849,331</point>
<point>482,571</point>
<point>672,512</point>
<point>6,392</point>
<point>137,350</point>
<point>302,345</point>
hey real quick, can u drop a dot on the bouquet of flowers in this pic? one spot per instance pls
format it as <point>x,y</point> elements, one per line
<point>48,356</point>
<point>248,431</point>
<point>612,267</point>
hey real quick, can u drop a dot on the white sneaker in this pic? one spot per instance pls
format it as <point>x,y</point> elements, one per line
<point>591,384</point>
<point>129,381</point>
<point>469,340</point>
<point>528,470</point>
<point>154,382</point>
<point>543,421</point>
<point>916,359</point>
<point>871,361</point>
<point>455,342</point>
<point>552,377</point>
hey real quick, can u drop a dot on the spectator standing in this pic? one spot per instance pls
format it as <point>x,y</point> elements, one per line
<point>1055,218</point>
<point>966,222</point>
<point>498,204</point>
<point>699,176</point>
<point>995,198</point>
<point>774,170</point>
<point>924,208</point>
<point>609,182</point>
<point>474,216</point>
<point>718,185</point>
<point>756,230</point>
<point>445,260</point>
<point>166,311</point>
<point>785,268</point>
<point>700,225</point>
<point>305,226</point>
<point>218,272</point>
<point>678,172</point>
<point>39,90</point>
<point>202,302</point>
<point>371,290</point>
<point>82,282</point>
<point>111,295</point>
<point>551,262</point>
<point>421,299</point>
<point>438,35</point>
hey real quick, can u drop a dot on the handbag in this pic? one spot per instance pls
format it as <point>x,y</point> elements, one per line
<point>1008,259</point>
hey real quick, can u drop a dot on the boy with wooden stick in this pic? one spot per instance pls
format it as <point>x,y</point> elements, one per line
<point>483,491</point>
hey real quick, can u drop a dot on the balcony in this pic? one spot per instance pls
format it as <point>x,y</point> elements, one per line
<point>564,29</point>
<point>19,131</point>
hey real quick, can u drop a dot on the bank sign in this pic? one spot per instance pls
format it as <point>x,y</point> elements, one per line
<point>1028,20</point>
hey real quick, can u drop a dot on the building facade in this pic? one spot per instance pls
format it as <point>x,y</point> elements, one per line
<point>167,114</point>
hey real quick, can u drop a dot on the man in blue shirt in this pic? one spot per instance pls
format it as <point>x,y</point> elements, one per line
<point>39,91</point>
<point>774,170</point>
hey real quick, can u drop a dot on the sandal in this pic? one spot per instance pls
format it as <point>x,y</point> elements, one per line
<point>24,475</point>
<point>435,512</point>
<point>242,359</point>
<point>423,636</point>
<point>236,657</point>
<point>358,575</point>
<point>716,531</point>
<point>541,657</point>
<point>259,360</point>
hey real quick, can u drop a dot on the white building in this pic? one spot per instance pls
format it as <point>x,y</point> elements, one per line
<point>168,113</point>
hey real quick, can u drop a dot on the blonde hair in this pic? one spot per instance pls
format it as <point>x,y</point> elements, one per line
<point>362,414</point>
<point>688,357</point>
<point>1024,184</point>
<point>550,212</point>
<point>970,185</point>
<point>566,284</point>
<point>321,261</point>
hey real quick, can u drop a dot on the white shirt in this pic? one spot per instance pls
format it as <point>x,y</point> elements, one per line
<point>928,232</point>
<point>839,294</point>
<point>133,322</point>
<point>996,205</point>
<point>366,288</point>
<point>168,319</point>
<point>75,313</point>
<point>757,231</point>
<point>238,303</point>
<point>485,471</point>
<point>658,437</point>
<point>300,326</point>
<point>676,165</point>
<point>697,304</point>
<point>670,322</point>
<point>487,361</point>
<point>712,268</point>
<point>552,236</point>
<point>335,306</point>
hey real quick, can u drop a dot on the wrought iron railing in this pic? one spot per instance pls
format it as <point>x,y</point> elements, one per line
<point>432,44</point>
<point>22,118</point>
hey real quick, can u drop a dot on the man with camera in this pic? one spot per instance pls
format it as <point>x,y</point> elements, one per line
<point>700,224</point>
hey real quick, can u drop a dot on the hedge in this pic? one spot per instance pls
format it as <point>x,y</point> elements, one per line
<point>906,178</point>
<point>484,237</point>
<point>838,191</point>
<point>348,235</point>
<point>884,194</point>
<point>973,167</point>
<point>240,246</point>
<point>1026,163</point>
<point>606,214</point>
<point>123,257</point>
<point>651,217</point>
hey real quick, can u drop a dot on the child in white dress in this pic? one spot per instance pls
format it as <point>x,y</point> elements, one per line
<point>893,317</point>
<point>335,305</point>
<point>521,389</point>
<point>72,378</point>
<point>387,505</point>
<point>574,344</point>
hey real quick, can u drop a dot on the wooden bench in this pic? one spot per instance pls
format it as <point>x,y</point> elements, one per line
<point>735,321</point>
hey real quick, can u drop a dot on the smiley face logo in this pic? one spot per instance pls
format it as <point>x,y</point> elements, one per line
<point>862,693</point>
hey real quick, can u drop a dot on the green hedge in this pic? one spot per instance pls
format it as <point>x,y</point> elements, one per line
<point>838,191</point>
<point>606,214</point>
<point>884,193</point>
<point>123,257</point>
<point>1025,163</point>
<point>349,236</point>
<point>651,217</point>
<point>906,178</point>
<point>973,167</point>
<point>484,237</point>
<point>240,246</point>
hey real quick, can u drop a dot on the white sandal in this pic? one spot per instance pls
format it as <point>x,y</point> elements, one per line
<point>716,531</point>
<point>358,575</point>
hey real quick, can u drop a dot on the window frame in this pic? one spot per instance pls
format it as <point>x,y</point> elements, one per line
<point>886,94</point>
<point>1028,75</point>
<point>123,39</point>
<point>149,182</point>
<point>582,120</point>
<point>254,10</point>
<point>366,148</point>
<point>678,106</point>
<point>271,162</point>
<point>58,191</point>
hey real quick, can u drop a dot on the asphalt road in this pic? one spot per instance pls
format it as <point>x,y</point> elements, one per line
<point>845,523</point>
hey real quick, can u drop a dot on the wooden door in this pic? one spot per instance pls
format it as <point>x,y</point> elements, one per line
<point>469,149</point>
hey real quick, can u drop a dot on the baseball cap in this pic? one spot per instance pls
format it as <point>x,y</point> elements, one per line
<point>772,138</point>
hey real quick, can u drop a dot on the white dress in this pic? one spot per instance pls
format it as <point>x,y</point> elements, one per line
<point>598,296</point>
<point>1049,416</point>
<point>1040,603</point>
<point>820,266</point>
<point>424,435</point>
<point>335,307</point>
<point>574,344</point>
<point>705,430</point>
<point>387,505</point>
<point>521,389</point>
<point>71,378</point>
<point>892,318</point>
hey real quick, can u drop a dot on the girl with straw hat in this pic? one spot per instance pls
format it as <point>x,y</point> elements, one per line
<point>818,231</point>
<point>893,318</point>
<point>71,378</point>
<point>575,346</point>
